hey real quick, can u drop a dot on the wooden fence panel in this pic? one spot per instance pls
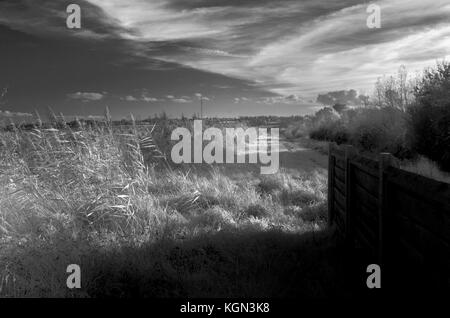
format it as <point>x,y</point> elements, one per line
<point>396,216</point>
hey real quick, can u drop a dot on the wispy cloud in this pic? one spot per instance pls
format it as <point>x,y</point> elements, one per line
<point>202,96</point>
<point>86,96</point>
<point>271,100</point>
<point>179,100</point>
<point>130,98</point>
<point>145,97</point>
<point>289,47</point>
<point>10,114</point>
<point>48,18</point>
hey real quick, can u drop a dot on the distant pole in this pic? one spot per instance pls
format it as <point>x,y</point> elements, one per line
<point>201,106</point>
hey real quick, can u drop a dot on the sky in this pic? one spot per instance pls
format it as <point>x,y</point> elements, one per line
<point>245,57</point>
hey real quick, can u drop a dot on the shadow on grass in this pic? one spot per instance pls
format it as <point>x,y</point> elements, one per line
<point>242,264</point>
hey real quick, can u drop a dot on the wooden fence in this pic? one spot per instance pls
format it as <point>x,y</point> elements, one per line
<point>398,219</point>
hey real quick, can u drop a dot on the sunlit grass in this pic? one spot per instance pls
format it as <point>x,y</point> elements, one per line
<point>67,196</point>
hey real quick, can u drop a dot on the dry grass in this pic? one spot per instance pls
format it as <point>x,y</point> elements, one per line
<point>95,197</point>
<point>427,168</point>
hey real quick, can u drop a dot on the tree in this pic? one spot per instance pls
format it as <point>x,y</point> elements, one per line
<point>403,86</point>
<point>364,99</point>
<point>394,92</point>
<point>325,115</point>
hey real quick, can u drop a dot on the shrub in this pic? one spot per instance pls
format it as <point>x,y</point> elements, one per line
<point>315,213</point>
<point>331,131</point>
<point>381,130</point>
<point>369,129</point>
<point>430,116</point>
<point>298,197</point>
<point>269,184</point>
<point>256,210</point>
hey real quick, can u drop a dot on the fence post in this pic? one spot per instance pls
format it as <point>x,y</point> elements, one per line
<point>385,161</point>
<point>331,164</point>
<point>350,153</point>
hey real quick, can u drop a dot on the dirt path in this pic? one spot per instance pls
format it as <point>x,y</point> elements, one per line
<point>297,155</point>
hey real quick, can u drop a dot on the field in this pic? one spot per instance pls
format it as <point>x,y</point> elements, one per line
<point>106,198</point>
<point>238,150</point>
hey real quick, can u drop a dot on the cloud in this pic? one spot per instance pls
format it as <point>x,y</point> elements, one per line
<point>151,99</point>
<point>10,114</point>
<point>130,98</point>
<point>292,99</point>
<point>202,96</point>
<point>347,97</point>
<point>222,86</point>
<point>292,46</point>
<point>145,97</point>
<point>48,18</point>
<point>86,96</point>
<point>289,99</point>
<point>181,100</point>
<point>288,47</point>
<point>238,100</point>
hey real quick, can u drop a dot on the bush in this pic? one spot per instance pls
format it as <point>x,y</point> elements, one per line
<point>430,116</point>
<point>256,210</point>
<point>333,131</point>
<point>398,124</point>
<point>269,184</point>
<point>381,130</point>
<point>369,129</point>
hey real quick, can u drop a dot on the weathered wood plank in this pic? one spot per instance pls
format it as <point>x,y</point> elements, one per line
<point>362,238</point>
<point>350,153</point>
<point>340,186</point>
<point>339,174</point>
<point>340,210</point>
<point>366,181</point>
<point>340,219</point>
<point>370,215</point>
<point>338,152</point>
<point>367,165</point>
<point>365,196</point>
<point>432,247</point>
<point>340,163</point>
<point>421,186</point>
<point>409,251</point>
<point>385,215</point>
<point>339,198</point>
<point>331,180</point>
<point>430,216</point>
<point>371,234</point>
